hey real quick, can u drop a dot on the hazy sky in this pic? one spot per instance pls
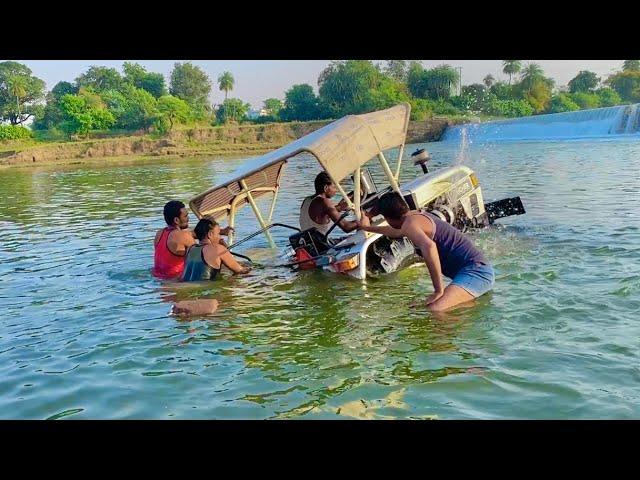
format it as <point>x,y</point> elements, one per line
<point>257,80</point>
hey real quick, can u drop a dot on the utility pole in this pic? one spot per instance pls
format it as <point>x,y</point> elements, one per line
<point>460,81</point>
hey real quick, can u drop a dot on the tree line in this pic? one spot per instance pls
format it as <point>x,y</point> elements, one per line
<point>104,99</point>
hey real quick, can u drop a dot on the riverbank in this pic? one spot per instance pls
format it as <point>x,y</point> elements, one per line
<point>192,142</point>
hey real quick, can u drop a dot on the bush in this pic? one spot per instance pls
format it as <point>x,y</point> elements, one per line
<point>562,103</point>
<point>510,108</point>
<point>14,132</point>
<point>608,97</point>
<point>586,100</point>
<point>420,109</point>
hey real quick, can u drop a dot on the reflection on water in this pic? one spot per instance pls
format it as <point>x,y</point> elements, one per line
<point>86,331</point>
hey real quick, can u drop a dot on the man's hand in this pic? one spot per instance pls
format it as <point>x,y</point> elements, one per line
<point>342,206</point>
<point>227,230</point>
<point>430,299</point>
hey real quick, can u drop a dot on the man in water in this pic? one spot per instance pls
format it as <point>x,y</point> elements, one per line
<point>444,249</point>
<point>172,242</point>
<point>320,212</point>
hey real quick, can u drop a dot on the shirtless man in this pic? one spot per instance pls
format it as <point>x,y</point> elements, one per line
<point>444,249</point>
<point>320,212</point>
<point>172,242</point>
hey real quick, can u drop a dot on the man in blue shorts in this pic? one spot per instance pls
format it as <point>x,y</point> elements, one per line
<point>446,251</point>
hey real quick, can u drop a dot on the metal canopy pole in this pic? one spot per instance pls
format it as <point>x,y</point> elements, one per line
<point>356,192</point>
<point>389,173</point>
<point>252,202</point>
<point>397,177</point>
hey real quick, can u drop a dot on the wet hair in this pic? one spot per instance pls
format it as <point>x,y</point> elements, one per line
<point>392,205</point>
<point>322,180</point>
<point>172,210</point>
<point>203,228</point>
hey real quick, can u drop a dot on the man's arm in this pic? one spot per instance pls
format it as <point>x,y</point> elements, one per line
<point>385,230</point>
<point>333,213</point>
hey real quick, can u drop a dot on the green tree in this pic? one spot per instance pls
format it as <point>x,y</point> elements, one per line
<point>608,97</point>
<point>631,66</point>
<point>345,86</point>
<point>80,117</point>
<point>190,83</point>
<point>100,79</point>
<point>489,81</point>
<point>225,83</point>
<point>300,103</point>
<point>562,102</point>
<point>133,108</point>
<point>586,100</point>
<point>585,81</point>
<point>136,75</point>
<point>626,84</point>
<point>273,107</point>
<point>502,91</point>
<point>21,93</point>
<point>171,110</point>
<point>530,74</point>
<point>389,92</point>
<point>232,109</point>
<point>397,70</point>
<point>511,67</point>
<point>436,83</point>
<point>51,114</point>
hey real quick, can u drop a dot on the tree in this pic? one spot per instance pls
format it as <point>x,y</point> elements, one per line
<point>80,117</point>
<point>136,75</point>
<point>631,66</point>
<point>562,103</point>
<point>225,83</point>
<point>232,109</point>
<point>530,75</point>
<point>397,70</point>
<point>190,83</point>
<point>489,81</point>
<point>586,100</point>
<point>273,107</point>
<point>20,93</point>
<point>608,97</point>
<point>626,84</point>
<point>133,108</point>
<point>100,79</point>
<point>345,87</point>
<point>172,110</point>
<point>300,103</point>
<point>511,67</point>
<point>435,83</point>
<point>585,81</point>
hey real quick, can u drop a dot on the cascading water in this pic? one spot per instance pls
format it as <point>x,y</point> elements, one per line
<point>599,122</point>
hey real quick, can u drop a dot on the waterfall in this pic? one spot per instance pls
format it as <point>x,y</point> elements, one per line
<point>594,123</point>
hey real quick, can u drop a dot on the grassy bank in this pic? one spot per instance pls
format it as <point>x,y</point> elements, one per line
<point>192,141</point>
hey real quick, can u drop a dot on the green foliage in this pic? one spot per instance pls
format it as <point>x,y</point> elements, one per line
<point>397,70</point>
<point>190,83</point>
<point>631,66</point>
<point>136,75</point>
<point>301,103</point>
<point>509,108</point>
<point>100,79</point>
<point>14,132</point>
<point>626,84</point>
<point>345,87</point>
<point>562,103</point>
<point>502,91</point>
<point>421,109</point>
<point>488,81</point>
<point>20,93</point>
<point>608,97</point>
<point>133,108</point>
<point>273,107</point>
<point>511,67</point>
<point>539,95</point>
<point>586,100</point>
<point>225,83</point>
<point>232,109</point>
<point>171,110</point>
<point>80,116</point>
<point>435,83</point>
<point>585,81</point>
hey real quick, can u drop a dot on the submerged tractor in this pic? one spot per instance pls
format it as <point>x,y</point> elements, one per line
<point>343,148</point>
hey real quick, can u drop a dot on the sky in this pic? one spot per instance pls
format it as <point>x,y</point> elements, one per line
<point>257,80</point>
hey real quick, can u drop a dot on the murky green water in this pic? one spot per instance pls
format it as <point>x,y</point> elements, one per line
<point>85,330</point>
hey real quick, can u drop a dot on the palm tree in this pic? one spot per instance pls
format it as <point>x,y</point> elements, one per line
<point>489,80</point>
<point>631,66</point>
<point>17,88</point>
<point>225,82</point>
<point>530,74</point>
<point>511,67</point>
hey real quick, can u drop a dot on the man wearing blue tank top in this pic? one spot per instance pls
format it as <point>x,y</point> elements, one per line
<point>445,250</point>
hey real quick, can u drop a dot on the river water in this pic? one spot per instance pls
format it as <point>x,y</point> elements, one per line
<point>85,330</point>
